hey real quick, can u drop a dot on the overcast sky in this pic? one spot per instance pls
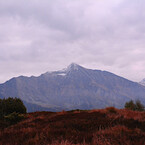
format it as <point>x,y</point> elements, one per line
<point>44,35</point>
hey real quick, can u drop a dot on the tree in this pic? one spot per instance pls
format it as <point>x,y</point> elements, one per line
<point>137,106</point>
<point>10,105</point>
<point>130,105</point>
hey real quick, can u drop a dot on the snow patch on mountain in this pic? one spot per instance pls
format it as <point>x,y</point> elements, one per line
<point>61,74</point>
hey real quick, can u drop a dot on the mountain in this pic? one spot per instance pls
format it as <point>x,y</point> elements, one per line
<point>142,82</point>
<point>73,88</point>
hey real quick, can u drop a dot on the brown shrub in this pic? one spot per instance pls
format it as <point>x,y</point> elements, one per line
<point>111,110</point>
<point>84,127</point>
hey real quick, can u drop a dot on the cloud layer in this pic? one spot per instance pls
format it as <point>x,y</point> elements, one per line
<point>38,36</point>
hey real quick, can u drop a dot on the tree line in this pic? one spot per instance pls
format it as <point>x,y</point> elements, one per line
<point>135,106</point>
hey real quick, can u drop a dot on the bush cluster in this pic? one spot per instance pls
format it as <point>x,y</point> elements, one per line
<point>111,109</point>
<point>137,106</point>
<point>14,117</point>
<point>11,110</point>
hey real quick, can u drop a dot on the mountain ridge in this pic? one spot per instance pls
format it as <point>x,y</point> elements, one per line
<point>73,88</point>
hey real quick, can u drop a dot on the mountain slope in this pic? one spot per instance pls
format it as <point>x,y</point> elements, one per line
<point>142,82</point>
<point>74,88</point>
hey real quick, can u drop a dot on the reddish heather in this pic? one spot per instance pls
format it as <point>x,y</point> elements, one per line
<point>108,126</point>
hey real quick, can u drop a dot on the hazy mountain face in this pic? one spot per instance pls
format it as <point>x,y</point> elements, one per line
<point>73,88</point>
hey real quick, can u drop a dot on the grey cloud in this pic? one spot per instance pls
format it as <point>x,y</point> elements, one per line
<point>38,36</point>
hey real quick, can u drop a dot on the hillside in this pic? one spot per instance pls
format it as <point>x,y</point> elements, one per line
<point>75,87</point>
<point>108,126</point>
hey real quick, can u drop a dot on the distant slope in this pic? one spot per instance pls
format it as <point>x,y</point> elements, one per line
<point>34,107</point>
<point>142,82</point>
<point>74,88</point>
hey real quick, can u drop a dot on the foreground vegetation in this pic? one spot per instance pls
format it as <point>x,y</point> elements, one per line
<point>12,111</point>
<point>137,106</point>
<point>108,126</point>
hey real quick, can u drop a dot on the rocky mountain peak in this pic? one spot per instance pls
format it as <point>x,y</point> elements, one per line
<point>73,67</point>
